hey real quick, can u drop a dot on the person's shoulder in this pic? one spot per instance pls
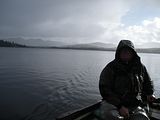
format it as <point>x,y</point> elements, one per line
<point>110,64</point>
<point>108,68</point>
<point>143,66</point>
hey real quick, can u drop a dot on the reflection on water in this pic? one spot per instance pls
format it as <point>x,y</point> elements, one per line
<point>38,84</point>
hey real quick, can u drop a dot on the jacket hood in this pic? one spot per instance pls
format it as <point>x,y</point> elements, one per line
<point>125,44</point>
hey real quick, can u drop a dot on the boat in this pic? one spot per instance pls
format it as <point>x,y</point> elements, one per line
<point>89,112</point>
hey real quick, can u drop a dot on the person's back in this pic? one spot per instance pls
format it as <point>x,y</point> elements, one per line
<point>125,82</point>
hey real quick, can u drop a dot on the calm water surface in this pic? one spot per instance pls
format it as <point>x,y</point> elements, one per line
<point>40,84</point>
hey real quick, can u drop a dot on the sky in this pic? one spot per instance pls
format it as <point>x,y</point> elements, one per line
<point>81,21</point>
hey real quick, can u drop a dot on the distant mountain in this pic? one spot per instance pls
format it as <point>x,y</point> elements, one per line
<point>103,45</point>
<point>96,46</point>
<point>111,47</point>
<point>148,50</point>
<point>151,47</point>
<point>4,43</point>
<point>36,42</point>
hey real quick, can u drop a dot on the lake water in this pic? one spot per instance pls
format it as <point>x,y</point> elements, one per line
<point>40,84</point>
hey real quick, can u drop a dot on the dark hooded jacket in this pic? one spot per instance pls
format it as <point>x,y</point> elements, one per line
<point>124,84</point>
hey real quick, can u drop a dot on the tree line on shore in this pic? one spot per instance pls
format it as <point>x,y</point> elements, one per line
<point>4,43</point>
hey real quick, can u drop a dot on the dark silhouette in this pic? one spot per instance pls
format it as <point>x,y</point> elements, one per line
<point>125,84</point>
<point>4,43</point>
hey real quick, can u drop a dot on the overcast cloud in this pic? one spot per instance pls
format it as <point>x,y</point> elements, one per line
<point>79,20</point>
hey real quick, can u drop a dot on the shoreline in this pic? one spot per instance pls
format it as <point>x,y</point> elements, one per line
<point>149,50</point>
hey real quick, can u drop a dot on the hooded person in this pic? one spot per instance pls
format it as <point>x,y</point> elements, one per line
<point>124,82</point>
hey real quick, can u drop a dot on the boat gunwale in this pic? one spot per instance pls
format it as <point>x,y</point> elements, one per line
<point>77,113</point>
<point>89,109</point>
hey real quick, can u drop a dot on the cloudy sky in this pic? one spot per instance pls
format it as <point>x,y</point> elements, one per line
<point>81,20</point>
